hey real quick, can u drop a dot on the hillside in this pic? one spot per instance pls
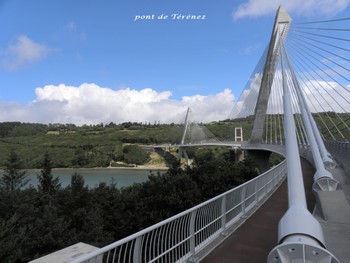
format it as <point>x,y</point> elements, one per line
<point>98,145</point>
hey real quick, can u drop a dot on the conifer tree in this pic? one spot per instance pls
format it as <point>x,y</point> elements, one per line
<point>14,174</point>
<point>47,183</point>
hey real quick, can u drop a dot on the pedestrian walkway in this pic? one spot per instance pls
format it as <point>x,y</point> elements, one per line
<point>254,240</point>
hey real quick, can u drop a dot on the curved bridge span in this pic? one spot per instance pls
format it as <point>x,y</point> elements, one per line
<point>276,148</point>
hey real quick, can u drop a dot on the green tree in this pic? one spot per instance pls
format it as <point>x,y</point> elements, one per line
<point>14,175</point>
<point>134,154</point>
<point>47,183</point>
<point>107,204</point>
<point>11,236</point>
<point>79,158</point>
<point>49,233</point>
<point>78,200</point>
<point>118,154</point>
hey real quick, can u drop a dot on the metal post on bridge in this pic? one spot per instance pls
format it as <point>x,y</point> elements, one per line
<point>300,235</point>
<point>323,179</point>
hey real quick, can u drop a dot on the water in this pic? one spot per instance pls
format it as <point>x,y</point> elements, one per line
<point>94,176</point>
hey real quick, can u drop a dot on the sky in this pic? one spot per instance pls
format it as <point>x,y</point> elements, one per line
<point>91,62</point>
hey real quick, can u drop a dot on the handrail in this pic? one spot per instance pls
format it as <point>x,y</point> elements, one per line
<point>181,237</point>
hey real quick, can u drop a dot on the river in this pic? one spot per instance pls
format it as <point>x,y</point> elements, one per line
<point>94,176</point>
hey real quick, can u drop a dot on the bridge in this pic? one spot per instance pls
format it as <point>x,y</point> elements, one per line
<point>299,97</point>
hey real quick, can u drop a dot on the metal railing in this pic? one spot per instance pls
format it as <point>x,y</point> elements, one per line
<point>181,237</point>
<point>339,148</point>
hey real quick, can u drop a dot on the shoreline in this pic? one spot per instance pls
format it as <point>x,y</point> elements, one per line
<point>137,168</point>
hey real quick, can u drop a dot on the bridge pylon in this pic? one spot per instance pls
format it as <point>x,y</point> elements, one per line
<point>182,150</point>
<point>279,33</point>
<point>187,122</point>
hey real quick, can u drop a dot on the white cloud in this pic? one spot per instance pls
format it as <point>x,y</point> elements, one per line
<point>251,49</point>
<point>327,96</point>
<point>91,104</point>
<point>24,51</point>
<point>71,30</point>
<point>210,108</point>
<point>256,8</point>
<point>245,106</point>
<point>71,26</point>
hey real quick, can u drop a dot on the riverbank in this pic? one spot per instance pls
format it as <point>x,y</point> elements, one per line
<point>136,168</point>
<point>122,177</point>
<point>140,167</point>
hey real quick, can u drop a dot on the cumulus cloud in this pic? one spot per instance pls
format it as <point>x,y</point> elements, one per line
<point>24,51</point>
<point>245,105</point>
<point>327,96</point>
<point>91,104</point>
<point>321,96</point>
<point>256,8</point>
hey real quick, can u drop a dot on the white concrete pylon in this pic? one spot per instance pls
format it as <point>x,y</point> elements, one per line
<point>279,32</point>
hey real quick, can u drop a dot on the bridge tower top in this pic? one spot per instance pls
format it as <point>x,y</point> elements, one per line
<point>279,32</point>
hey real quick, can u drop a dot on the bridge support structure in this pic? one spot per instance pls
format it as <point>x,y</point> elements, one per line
<point>282,18</point>
<point>323,179</point>
<point>182,150</point>
<point>238,134</point>
<point>182,153</point>
<point>187,122</point>
<point>260,158</point>
<point>300,235</point>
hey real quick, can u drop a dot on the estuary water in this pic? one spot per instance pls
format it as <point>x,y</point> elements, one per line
<point>94,176</point>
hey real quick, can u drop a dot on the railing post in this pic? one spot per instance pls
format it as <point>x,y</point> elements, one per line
<point>223,215</point>
<point>137,250</point>
<point>243,196</point>
<point>256,192</point>
<point>193,257</point>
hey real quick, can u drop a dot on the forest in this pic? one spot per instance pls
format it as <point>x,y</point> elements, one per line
<point>35,221</point>
<point>72,146</point>
<point>38,221</point>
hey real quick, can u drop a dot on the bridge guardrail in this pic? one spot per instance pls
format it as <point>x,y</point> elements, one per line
<point>181,237</point>
<point>338,147</point>
<point>340,151</point>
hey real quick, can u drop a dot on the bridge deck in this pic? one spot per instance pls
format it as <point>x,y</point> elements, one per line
<point>254,240</point>
<point>336,227</point>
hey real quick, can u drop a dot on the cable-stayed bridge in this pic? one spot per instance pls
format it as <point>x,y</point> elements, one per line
<point>299,95</point>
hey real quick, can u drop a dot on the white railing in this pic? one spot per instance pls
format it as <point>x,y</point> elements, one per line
<point>181,237</point>
<point>339,148</point>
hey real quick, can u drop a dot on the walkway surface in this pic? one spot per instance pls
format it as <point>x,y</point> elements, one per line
<point>336,222</point>
<point>254,240</point>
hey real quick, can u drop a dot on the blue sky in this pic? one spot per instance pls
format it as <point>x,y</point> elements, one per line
<point>57,54</point>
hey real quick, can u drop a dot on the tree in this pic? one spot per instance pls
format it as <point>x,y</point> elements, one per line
<point>11,236</point>
<point>14,175</point>
<point>135,154</point>
<point>48,184</point>
<point>79,158</point>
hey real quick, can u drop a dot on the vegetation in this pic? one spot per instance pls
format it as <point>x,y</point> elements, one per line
<point>14,175</point>
<point>95,145</point>
<point>98,145</point>
<point>38,221</point>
